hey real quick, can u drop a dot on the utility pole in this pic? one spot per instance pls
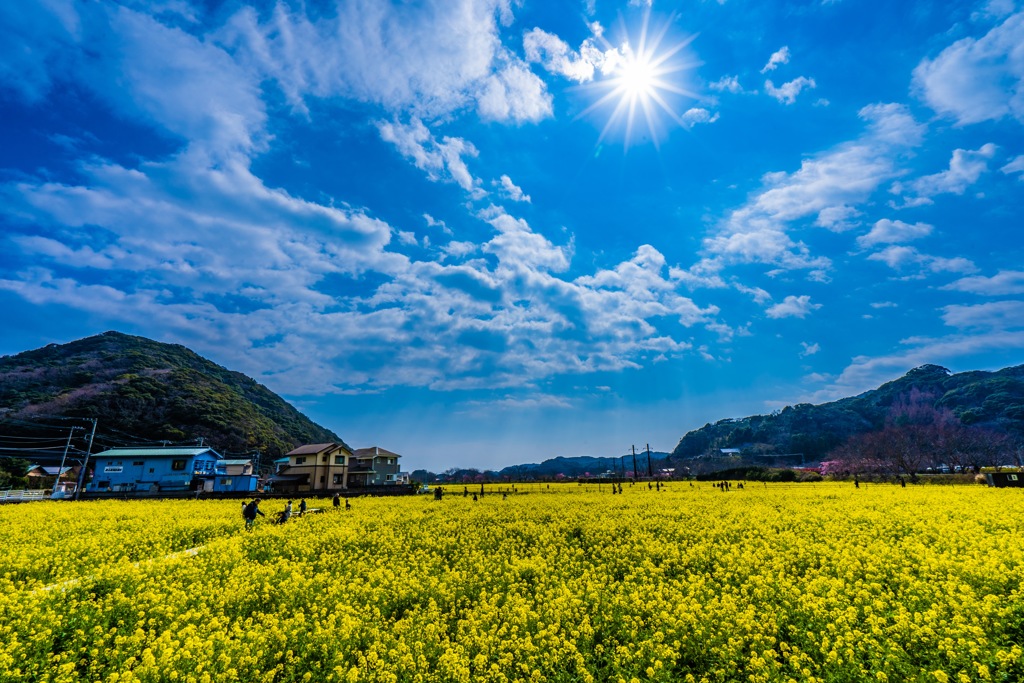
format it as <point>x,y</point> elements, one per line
<point>85,464</point>
<point>60,470</point>
<point>634,462</point>
<point>649,472</point>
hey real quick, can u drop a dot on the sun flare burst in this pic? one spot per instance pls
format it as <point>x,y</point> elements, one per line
<point>642,80</point>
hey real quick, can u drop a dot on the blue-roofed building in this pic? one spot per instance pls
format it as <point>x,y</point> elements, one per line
<point>159,469</point>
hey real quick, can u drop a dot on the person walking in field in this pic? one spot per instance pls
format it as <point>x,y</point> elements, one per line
<point>336,501</point>
<point>250,511</point>
<point>302,508</point>
<point>285,514</point>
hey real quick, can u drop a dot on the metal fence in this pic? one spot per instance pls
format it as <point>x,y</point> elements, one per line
<point>24,496</point>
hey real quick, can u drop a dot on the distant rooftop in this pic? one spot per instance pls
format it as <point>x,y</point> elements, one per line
<point>314,448</point>
<point>374,451</point>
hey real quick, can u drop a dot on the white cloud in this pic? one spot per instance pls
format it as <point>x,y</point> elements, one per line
<point>759,295</point>
<point>837,218</point>
<point>888,231</point>
<point>793,307</point>
<point>426,59</point>
<point>809,349</point>
<point>827,187</point>
<point>511,190</point>
<point>1016,165</point>
<point>900,257</point>
<point>965,167</point>
<point>1002,283</point>
<point>555,55</point>
<point>996,315</point>
<point>788,92</point>
<point>977,79</point>
<point>781,56</point>
<point>696,115</point>
<point>435,223</point>
<point>514,93</point>
<point>995,9</point>
<point>441,160</point>
<point>541,401</point>
<point>729,84</point>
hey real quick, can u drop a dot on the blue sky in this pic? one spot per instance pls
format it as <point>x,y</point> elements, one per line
<point>486,232</point>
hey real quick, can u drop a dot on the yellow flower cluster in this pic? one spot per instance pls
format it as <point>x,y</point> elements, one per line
<point>568,583</point>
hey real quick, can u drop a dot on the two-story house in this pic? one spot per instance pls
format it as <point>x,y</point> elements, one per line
<point>315,467</point>
<point>374,466</point>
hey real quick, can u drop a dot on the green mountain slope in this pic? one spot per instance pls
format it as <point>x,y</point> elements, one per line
<point>151,390</point>
<point>990,399</point>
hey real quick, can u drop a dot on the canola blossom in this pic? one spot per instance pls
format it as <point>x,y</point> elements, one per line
<point>779,583</point>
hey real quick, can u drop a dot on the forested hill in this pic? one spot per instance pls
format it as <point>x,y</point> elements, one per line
<point>993,400</point>
<point>150,390</point>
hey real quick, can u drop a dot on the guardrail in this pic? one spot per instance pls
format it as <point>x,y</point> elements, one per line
<point>24,496</point>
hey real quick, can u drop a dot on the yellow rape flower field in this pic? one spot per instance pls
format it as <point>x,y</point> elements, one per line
<point>780,583</point>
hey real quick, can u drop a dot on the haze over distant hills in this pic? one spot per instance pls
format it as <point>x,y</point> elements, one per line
<point>989,400</point>
<point>153,391</point>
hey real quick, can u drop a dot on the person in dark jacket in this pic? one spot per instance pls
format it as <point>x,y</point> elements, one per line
<point>250,511</point>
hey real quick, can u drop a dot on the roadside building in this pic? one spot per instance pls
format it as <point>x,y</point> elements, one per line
<point>40,476</point>
<point>374,466</point>
<point>238,475</point>
<point>314,467</point>
<point>156,469</point>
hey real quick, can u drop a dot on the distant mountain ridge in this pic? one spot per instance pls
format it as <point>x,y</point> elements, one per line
<point>154,391</point>
<point>994,400</point>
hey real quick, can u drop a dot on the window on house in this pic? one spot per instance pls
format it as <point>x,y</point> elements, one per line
<point>324,458</point>
<point>225,482</point>
<point>391,477</point>
<point>300,460</point>
<point>339,460</point>
<point>177,465</point>
<point>137,463</point>
<point>321,478</point>
<point>151,470</point>
<point>338,479</point>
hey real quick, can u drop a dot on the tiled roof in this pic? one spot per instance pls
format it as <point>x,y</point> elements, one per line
<point>313,448</point>
<point>374,451</point>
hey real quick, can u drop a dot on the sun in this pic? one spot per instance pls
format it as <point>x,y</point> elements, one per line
<point>637,77</point>
<point>642,81</point>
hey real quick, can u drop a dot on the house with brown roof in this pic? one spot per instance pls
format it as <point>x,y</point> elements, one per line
<point>314,467</point>
<point>374,466</point>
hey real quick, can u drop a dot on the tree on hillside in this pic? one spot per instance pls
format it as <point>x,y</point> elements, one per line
<point>917,435</point>
<point>13,473</point>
